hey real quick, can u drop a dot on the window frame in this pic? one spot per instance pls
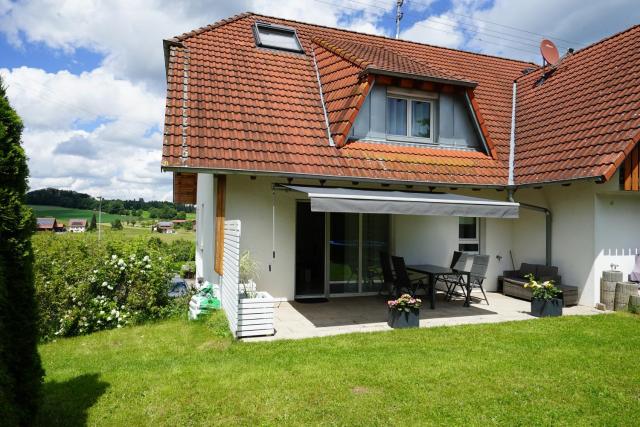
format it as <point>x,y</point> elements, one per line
<point>467,241</point>
<point>282,28</point>
<point>410,99</point>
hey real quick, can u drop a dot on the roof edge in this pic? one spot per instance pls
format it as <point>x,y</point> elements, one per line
<point>227,171</point>
<point>233,18</point>
<point>369,69</point>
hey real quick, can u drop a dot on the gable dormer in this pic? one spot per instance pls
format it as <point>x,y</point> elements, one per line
<point>374,93</point>
<point>441,116</point>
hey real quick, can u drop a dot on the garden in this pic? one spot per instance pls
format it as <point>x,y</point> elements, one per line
<point>84,285</point>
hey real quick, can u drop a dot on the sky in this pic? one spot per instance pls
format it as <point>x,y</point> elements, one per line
<point>87,76</point>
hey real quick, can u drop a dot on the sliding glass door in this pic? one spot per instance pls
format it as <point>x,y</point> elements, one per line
<point>376,238</point>
<point>344,253</point>
<point>339,253</point>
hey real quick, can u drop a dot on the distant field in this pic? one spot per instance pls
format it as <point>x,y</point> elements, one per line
<point>129,231</point>
<point>65,214</point>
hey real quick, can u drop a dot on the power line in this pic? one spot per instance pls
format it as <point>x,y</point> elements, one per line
<point>570,43</point>
<point>421,24</point>
<point>470,28</point>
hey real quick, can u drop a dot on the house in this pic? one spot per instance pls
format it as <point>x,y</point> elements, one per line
<point>331,146</point>
<point>77,225</point>
<point>164,227</point>
<point>46,224</point>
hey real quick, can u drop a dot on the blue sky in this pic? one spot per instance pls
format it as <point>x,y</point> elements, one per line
<point>87,77</point>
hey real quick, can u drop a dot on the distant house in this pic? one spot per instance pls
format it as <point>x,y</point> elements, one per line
<point>77,225</point>
<point>164,227</point>
<point>46,224</point>
<point>59,227</point>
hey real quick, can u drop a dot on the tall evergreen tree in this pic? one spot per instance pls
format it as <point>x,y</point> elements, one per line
<point>93,223</point>
<point>20,369</point>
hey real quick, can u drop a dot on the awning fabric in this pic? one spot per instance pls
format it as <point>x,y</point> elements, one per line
<point>325,199</point>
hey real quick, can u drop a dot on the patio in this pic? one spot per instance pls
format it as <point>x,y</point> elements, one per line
<point>295,320</point>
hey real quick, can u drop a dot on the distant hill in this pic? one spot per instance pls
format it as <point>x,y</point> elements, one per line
<point>65,214</point>
<point>74,200</point>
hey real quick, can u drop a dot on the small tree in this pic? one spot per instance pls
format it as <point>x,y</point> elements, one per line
<point>93,223</point>
<point>116,224</point>
<point>20,369</point>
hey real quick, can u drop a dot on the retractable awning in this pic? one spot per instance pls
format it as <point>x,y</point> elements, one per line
<point>325,199</point>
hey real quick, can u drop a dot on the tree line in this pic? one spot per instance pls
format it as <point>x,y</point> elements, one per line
<point>73,199</point>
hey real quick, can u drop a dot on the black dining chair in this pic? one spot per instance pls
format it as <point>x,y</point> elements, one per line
<point>402,279</point>
<point>389,281</point>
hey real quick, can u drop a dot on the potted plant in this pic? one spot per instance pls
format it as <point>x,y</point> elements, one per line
<point>544,302</point>
<point>255,308</point>
<point>404,312</point>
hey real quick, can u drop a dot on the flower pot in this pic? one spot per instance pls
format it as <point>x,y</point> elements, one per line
<point>404,319</point>
<point>546,308</point>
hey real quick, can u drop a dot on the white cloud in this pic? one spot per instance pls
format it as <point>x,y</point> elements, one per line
<point>436,30</point>
<point>118,157</point>
<point>570,23</point>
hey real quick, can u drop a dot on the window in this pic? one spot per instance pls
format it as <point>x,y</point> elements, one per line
<point>469,235</point>
<point>409,117</point>
<point>277,37</point>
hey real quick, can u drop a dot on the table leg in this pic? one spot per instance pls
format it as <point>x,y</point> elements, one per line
<point>467,299</point>
<point>432,292</point>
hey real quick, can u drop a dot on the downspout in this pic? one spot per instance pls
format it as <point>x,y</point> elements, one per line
<point>324,108</point>
<point>512,138</point>
<point>548,222</point>
<point>511,182</point>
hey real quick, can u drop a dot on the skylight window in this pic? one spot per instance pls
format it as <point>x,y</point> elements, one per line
<point>277,37</point>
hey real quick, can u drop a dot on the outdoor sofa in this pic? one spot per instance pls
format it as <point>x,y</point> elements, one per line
<point>514,281</point>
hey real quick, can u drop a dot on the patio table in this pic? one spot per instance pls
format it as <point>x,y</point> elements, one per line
<point>435,270</point>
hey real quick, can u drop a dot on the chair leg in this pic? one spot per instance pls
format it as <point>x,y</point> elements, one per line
<point>485,295</point>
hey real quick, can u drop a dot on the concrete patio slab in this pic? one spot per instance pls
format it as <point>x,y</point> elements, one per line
<point>296,320</point>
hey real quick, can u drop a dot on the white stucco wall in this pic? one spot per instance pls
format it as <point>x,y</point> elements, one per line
<point>251,202</point>
<point>617,233</point>
<point>425,239</point>
<point>587,230</point>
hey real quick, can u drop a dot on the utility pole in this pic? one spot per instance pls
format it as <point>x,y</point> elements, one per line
<point>99,217</point>
<point>398,17</point>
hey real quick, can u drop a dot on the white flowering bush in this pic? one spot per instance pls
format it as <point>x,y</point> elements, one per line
<point>83,286</point>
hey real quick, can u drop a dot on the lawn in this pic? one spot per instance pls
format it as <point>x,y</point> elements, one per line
<point>65,214</point>
<point>564,371</point>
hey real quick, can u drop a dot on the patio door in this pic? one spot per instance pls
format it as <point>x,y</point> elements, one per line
<point>338,254</point>
<point>355,243</point>
<point>310,252</point>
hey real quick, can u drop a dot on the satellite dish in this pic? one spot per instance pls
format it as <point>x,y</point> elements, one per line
<point>549,52</point>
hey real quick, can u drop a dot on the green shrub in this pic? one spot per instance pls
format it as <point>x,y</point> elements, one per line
<point>20,369</point>
<point>85,286</point>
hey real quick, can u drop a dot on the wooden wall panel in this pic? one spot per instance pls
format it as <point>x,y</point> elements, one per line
<point>220,215</point>
<point>185,187</point>
<point>631,171</point>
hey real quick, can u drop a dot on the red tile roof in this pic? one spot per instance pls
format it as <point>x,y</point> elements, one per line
<point>234,106</point>
<point>584,119</point>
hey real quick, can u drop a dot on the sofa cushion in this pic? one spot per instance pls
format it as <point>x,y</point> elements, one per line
<point>526,269</point>
<point>546,271</point>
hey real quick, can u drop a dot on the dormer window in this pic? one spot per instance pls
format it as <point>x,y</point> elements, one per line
<point>277,37</point>
<point>409,117</point>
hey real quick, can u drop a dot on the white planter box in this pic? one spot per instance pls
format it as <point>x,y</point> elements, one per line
<point>255,316</point>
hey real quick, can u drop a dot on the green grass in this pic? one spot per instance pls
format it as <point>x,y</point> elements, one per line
<point>65,214</point>
<point>563,371</point>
